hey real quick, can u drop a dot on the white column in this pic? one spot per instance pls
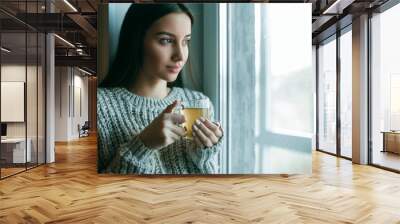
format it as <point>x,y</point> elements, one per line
<point>50,100</point>
<point>50,92</point>
<point>360,90</point>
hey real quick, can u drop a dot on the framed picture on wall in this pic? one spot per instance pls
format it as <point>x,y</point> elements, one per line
<point>12,101</point>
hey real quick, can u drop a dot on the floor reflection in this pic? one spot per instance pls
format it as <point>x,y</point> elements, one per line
<point>387,159</point>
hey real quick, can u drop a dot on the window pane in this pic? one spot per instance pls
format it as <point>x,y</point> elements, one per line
<point>327,96</point>
<point>346,94</point>
<point>289,71</point>
<point>270,91</point>
<point>386,88</point>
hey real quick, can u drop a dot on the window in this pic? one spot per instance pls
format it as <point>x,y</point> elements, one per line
<point>346,93</point>
<point>268,83</point>
<point>327,96</point>
<point>385,88</point>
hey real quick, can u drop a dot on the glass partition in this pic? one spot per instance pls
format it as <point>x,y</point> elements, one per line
<point>13,89</point>
<point>22,90</point>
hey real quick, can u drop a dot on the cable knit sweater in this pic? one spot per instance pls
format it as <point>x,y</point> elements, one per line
<point>121,115</point>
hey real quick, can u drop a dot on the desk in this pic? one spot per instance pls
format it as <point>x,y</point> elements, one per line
<point>13,150</point>
<point>391,141</point>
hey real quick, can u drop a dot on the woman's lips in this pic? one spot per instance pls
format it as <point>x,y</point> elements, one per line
<point>173,69</point>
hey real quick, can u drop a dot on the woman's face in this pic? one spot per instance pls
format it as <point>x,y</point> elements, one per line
<point>166,47</point>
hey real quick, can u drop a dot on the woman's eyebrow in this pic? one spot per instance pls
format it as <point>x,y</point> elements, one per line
<point>170,34</point>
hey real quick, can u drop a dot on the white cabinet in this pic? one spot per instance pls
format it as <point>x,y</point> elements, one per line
<point>17,145</point>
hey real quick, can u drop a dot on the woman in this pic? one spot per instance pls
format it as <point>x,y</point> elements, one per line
<point>138,133</point>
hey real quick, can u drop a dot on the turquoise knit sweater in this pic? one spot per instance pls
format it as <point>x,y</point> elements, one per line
<point>122,115</point>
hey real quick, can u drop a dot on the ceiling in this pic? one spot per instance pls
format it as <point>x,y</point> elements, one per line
<point>329,16</point>
<point>76,22</point>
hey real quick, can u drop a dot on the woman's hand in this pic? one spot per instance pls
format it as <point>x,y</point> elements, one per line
<point>206,133</point>
<point>163,130</point>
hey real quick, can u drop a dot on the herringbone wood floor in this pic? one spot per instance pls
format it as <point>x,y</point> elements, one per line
<point>70,191</point>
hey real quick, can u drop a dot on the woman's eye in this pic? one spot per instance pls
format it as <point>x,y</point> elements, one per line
<point>187,41</point>
<point>165,41</point>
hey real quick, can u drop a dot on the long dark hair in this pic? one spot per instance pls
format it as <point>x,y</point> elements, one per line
<point>129,56</point>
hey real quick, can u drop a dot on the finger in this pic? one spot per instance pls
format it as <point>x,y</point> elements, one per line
<point>177,130</point>
<point>174,136</point>
<point>221,129</point>
<point>202,137</point>
<point>197,140</point>
<point>171,107</point>
<point>214,127</point>
<point>218,123</point>
<point>176,118</point>
<point>207,132</point>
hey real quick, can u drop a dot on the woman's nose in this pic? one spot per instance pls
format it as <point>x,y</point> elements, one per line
<point>178,53</point>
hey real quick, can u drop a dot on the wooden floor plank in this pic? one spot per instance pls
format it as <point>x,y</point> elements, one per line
<point>70,191</point>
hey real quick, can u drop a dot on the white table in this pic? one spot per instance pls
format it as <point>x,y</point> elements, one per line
<point>18,148</point>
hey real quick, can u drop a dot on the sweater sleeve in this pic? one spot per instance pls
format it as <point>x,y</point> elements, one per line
<point>206,159</point>
<point>130,157</point>
<point>116,155</point>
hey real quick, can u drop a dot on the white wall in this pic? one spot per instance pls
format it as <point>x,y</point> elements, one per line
<point>70,83</point>
<point>61,103</point>
<point>80,83</point>
<point>13,72</point>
